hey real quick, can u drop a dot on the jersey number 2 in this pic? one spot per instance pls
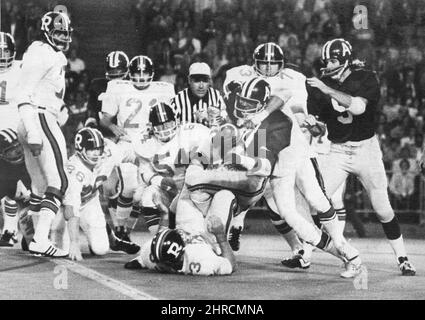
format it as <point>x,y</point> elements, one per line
<point>345,117</point>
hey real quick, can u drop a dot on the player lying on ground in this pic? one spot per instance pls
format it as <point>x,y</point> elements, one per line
<point>178,251</point>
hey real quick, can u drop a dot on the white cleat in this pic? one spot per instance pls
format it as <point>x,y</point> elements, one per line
<point>352,270</point>
<point>46,249</point>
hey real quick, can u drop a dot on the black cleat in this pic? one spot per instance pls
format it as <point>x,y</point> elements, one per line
<point>234,238</point>
<point>133,265</point>
<point>121,242</point>
<point>6,239</point>
<point>297,261</point>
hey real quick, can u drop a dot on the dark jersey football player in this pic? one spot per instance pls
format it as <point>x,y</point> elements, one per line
<point>116,67</point>
<point>346,99</point>
<point>14,184</point>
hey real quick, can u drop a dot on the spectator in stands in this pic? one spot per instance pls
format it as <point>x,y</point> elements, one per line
<point>402,185</point>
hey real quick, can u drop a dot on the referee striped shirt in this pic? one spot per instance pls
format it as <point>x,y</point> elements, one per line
<point>186,104</point>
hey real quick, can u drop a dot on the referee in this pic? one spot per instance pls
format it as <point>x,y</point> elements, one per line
<point>200,102</point>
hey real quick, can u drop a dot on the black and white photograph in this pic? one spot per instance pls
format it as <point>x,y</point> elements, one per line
<point>211,156</point>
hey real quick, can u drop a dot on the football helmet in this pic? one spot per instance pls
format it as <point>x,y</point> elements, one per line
<point>141,71</point>
<point>168,248</point>
<point>252,99</point>
<point>340,50</point>
<point>10,149</point>
<point>56,27</point>
<point>116,66</point>
<point>268,59</point>
<point>163,121</point>
<point>7,51</point>
<point>89,145</point>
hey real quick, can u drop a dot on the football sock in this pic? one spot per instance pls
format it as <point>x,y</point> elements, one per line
<point>10,215</point>
<point>124,206</point>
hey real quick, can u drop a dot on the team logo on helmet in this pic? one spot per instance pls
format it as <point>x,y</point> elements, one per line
<point>56,27</point>
<point>89,145</point>
<point>7,51</point>
<point>268,59</point>
<point>168,248</point>
<point>252,98</point>
<point>141,71</point>
<point>116,65</point>
<point>338,49</point>
<point>10,148</point>
<point>163,121</point>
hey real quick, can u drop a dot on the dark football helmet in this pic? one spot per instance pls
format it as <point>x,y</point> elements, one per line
<point>252,99</point>
<point>268,59</point>
<point>7,51</point>
<point>163,121</point>
<point>141,71</point>
<point>340,50</point>
<point>10,149</point>
<point>56,27</point>
<point>116,66</point>
<point>89,145</point>
<point>168,248</point>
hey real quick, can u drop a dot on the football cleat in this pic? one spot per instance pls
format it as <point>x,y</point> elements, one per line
<point>121,242</point>
<point>234,238</point>
<point>298,260</point>
<point>407,269</point>
<point>133,265</point>
<point>6,239</point>
<point>46,249</point>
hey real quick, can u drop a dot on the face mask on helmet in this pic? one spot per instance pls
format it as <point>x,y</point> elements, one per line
<point>7,51</point>
<point>141,71</point>
<point>89,145</point>
<point>268,58</point>
<point>337,56</point>
<point>167,248</point>
<point>116,66</point>
<point>57,30</point>
<point>252,98</point>
<point>10,149</point>
<point>163,121</point>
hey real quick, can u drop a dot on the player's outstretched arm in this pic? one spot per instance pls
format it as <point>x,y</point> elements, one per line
<point>215,226</point>
<point>274,104</point>
<point>106,122</point>
<point>74,233</point>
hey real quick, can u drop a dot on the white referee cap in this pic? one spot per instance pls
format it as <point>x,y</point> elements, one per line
<point>199,68</point>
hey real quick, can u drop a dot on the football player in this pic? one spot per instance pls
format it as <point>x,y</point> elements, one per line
<point>164,157</point>
<point>90,166</point>
<point>176,251</point>
<point>41,91</point>
<point>130,102</point>
<point>14,184</point>
<point>346,98</point>
<point>116,67</point>
<point>289,95</point>
<point>243,170</point>
<point>9,74</point>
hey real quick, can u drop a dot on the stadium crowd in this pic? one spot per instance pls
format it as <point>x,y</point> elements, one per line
<point>224,33</point>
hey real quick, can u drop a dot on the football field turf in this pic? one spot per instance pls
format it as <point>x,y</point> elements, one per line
<point>260,275</point>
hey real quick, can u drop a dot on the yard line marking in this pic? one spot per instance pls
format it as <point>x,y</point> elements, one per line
<point>104,280</point>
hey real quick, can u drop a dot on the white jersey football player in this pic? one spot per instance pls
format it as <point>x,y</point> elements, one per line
<point>289,95</point>
<point>41,92</point>
<point>9,75</point>
<point>130,102</point>
<point>176,251</point>
<point>94,160</point>
<point>163,158</point>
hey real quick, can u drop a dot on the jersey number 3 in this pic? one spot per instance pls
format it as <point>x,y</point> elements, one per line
<point>345,117</point>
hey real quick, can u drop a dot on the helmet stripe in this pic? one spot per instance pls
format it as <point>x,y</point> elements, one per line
<point>12,133</point>
<point>248,87</point>
<point>6,135</point>
<point>158,246</point>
